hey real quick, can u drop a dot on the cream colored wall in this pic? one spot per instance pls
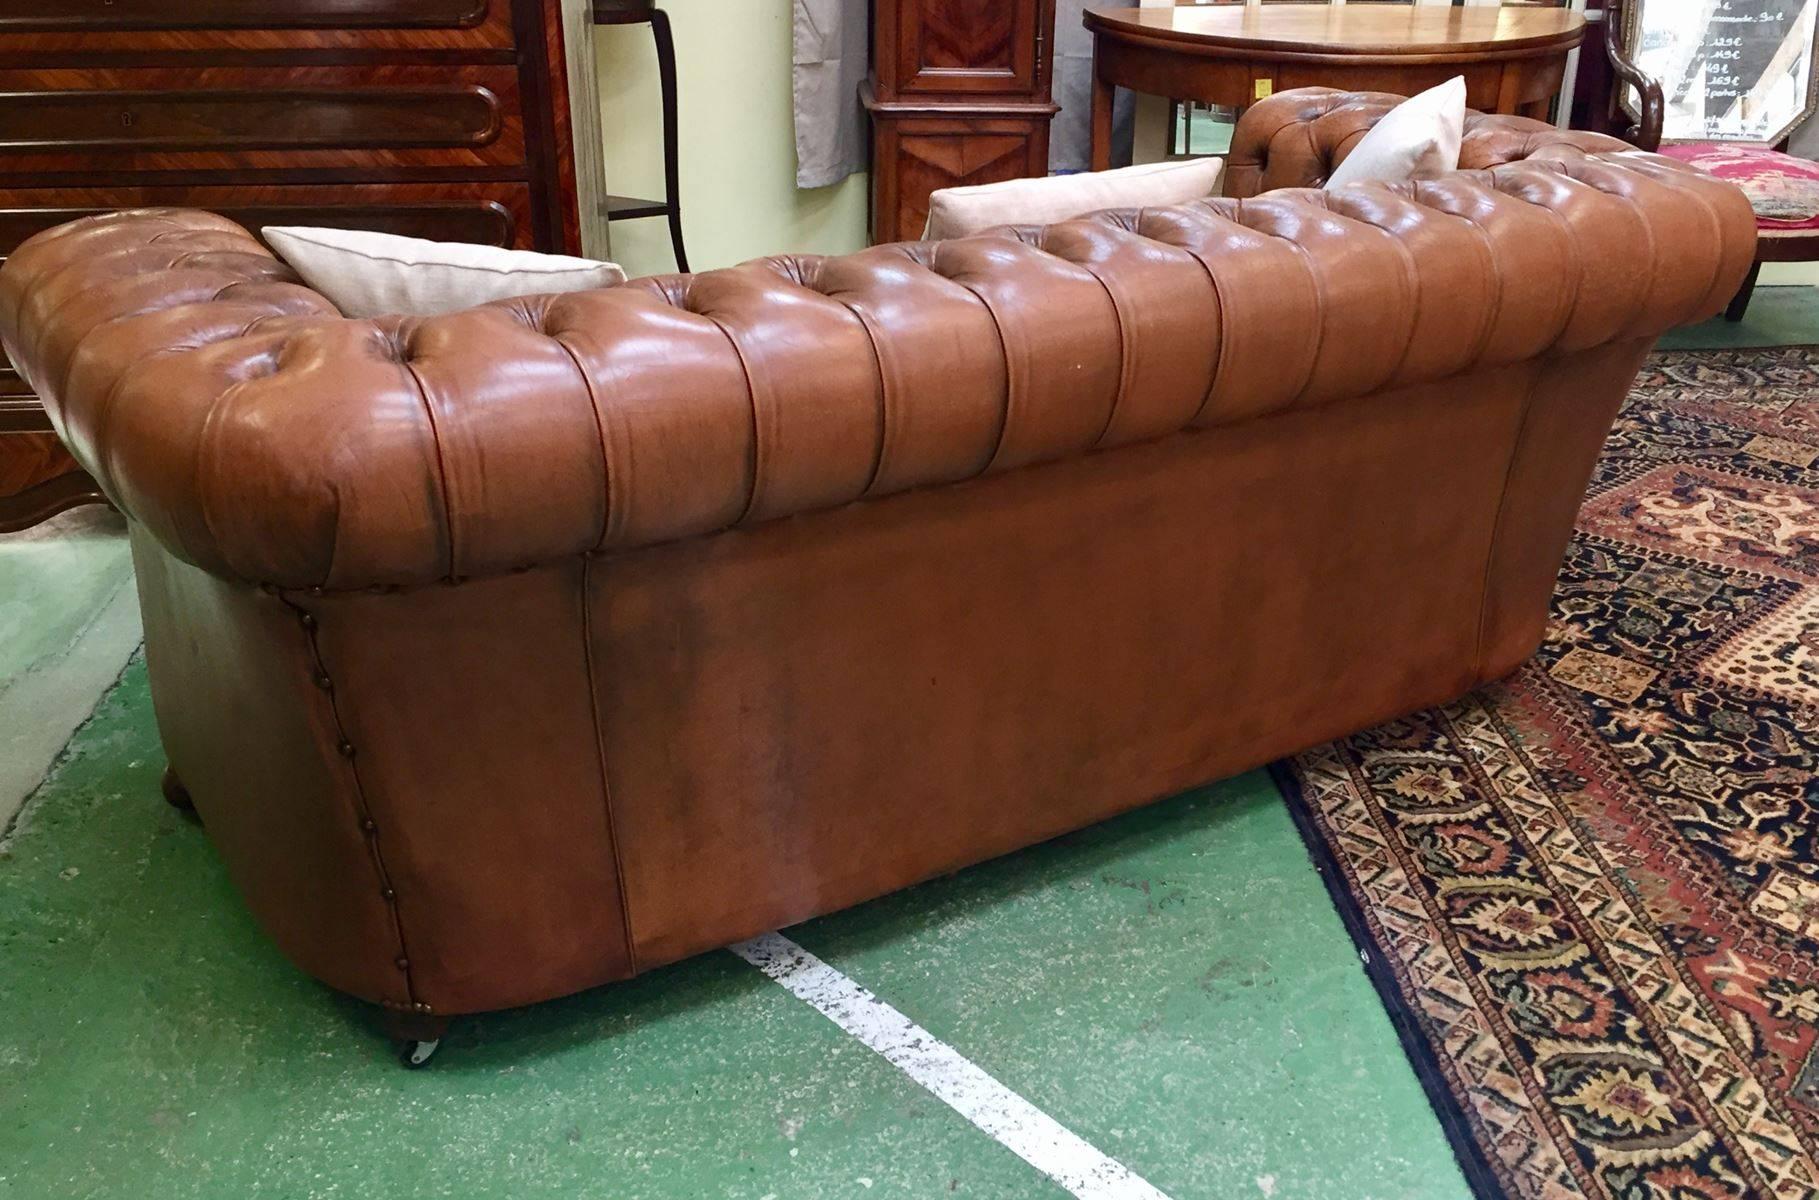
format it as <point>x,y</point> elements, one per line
<point>739,195</point>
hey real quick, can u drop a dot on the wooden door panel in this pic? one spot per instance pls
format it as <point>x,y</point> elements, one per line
<point>973,47</point>
<point>934,153</point>
<point>236,118</point>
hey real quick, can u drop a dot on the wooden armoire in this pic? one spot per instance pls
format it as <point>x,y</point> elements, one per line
<point>959,93</point>
<point>435,118</point>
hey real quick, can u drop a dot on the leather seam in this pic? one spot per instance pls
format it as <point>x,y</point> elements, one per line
<point>1126,347</point>
<point>205,434</point>
<point>884,409</point>
<point>1004,352</point>
<point>1416,294</point>
<point>1495,316</point>
<point>1318,282</point>
<point>606,786</point>
<point>435,437</point>
<point>1219,309</point>
<point>363,810</point>
<point>1497,523</point>
<point>757,459</point>
<point>606,464</point>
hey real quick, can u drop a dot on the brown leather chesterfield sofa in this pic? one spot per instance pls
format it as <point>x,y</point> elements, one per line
<point>513,651</point>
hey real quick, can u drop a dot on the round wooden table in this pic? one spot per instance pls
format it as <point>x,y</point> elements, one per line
<point>1234,54</point>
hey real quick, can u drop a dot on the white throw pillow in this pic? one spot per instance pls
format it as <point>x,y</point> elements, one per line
<point>961,211</point>
<point>365,274</point>
<point>1417,139</point>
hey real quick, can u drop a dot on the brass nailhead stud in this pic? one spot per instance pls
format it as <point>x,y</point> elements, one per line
<point>370,825</point>
<point>307,620</point>
<point>404,964</point>
<point>324,682</point>
<point>345,748</point>
<point>388,893</point>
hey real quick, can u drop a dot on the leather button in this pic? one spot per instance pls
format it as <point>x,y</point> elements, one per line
<point>324,682</point>
<point>344,748</point>
<point>388,894</point>
<point>404,964</point>
<point>307,620</point>
<point>370,825</point>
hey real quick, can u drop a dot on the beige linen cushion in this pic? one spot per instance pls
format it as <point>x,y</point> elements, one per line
<point>365,274</point>
<point>1417,139</point>
<point>958,212</point>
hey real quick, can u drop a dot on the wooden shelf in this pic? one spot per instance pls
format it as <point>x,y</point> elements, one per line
<point>628,208</point>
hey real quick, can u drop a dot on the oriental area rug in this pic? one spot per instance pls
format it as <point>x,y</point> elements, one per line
<point>1589,893</point>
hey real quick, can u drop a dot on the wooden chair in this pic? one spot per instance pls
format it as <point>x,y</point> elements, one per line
<point>1756,169</point>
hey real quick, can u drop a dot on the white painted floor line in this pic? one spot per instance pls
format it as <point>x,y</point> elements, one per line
<point>1022,1128</point>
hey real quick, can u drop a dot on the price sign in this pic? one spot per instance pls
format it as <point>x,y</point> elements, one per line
<point>1730,70</point>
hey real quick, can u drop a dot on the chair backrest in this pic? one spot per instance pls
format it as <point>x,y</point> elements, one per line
<point>1645,131</point>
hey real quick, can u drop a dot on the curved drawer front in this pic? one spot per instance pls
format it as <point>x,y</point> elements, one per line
<point>280,119</point>
<point>239,14</point>
<point>136,26</point>
<point>284,118</point>
<point>492,214</point>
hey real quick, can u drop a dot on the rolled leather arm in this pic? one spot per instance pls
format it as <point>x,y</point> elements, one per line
<point>262,437</point>
<point>1296,138</point>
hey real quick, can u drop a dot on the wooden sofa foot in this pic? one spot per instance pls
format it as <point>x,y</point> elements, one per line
<point>175,794</point>
<point>1741,301</point>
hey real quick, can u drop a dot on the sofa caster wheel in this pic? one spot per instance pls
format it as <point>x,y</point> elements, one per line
<point>175,794</point>
<point>420,1032</point>
<point>417,1054</point>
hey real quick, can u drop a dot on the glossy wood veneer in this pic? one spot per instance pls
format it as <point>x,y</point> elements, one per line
<point>445,119</point>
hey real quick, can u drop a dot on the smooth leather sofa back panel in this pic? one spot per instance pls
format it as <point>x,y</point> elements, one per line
<point>804,714</point>
<point>515,650</point>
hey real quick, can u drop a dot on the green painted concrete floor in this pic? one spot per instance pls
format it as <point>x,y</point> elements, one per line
<point>1172,986</point>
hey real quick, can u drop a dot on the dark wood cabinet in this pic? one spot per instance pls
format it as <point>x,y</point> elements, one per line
<point>445,119</point>
<point>959,94</point>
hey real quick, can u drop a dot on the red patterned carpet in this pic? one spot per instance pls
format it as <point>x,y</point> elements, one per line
<point>1590,893</point>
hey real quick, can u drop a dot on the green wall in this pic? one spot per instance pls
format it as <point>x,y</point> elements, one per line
<point>739,195</point>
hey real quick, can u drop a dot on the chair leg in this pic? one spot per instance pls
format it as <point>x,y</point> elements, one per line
<point>666,79</point>
<point>1741,301</point>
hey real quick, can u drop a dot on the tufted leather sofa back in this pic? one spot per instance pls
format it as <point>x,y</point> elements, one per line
<point>261,436</point>
<point>1295,138</point>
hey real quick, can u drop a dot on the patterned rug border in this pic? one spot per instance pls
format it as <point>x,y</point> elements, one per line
<point>1455,1123</point>
<point>1665,407</point>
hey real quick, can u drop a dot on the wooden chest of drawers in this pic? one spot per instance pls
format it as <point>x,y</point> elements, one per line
<point>436,118</point>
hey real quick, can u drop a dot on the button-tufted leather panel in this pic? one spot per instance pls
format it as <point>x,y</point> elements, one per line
<point>260,436</point>
<point>1296,138</point>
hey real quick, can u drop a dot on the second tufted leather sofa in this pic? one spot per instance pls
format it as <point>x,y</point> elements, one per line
<point>512,651</point>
